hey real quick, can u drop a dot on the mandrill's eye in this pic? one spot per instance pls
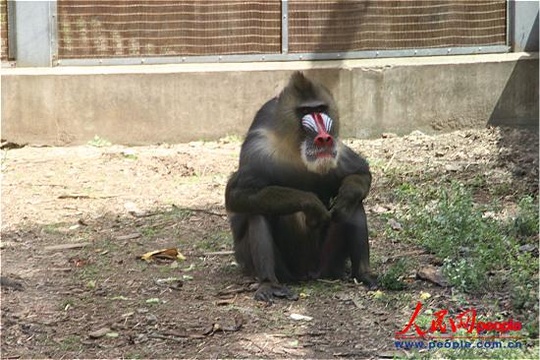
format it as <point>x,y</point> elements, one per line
<point>304,110</point>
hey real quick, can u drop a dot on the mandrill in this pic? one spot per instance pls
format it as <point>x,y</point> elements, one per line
<point>295,202</point>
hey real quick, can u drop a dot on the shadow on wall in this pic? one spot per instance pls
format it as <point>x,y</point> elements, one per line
<point>516,113</point>
<point>532,41</point>
<point>347,39</point>
<point>518,105</point>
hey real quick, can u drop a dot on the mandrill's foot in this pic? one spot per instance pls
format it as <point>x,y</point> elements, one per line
<point>368,279</point>
<point>268,291</point>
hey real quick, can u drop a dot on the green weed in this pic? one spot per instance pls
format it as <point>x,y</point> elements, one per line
<point>482,249</point>
<point>392,279</point>
<point>99,142</point>
<point>71,343</point>
<point>217,241</point>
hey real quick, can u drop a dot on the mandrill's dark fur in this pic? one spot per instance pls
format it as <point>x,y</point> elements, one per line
<point>295,203</point>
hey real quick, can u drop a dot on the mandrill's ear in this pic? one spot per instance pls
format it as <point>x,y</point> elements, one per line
<point>302,87</point>
<point>300,82</point>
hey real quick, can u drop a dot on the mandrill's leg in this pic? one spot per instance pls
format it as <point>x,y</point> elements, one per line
<point>348,237</point>
<point>265,260</point>
<point>356,236</point>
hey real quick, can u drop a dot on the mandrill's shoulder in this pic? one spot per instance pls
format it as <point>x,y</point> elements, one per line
<point>264,149</point>
<point>265,117</point>
<point>350,162</point>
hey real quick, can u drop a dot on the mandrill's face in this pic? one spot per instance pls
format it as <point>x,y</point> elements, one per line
<point>319,148</point>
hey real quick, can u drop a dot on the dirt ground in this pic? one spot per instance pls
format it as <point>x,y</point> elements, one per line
<point>75,220</point>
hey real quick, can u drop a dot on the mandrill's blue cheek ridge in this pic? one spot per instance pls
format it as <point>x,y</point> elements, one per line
<point>317,122</point>
<point>308,122</point>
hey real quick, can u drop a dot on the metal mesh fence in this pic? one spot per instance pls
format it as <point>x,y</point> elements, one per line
<point>332,26</point>
<point>157,28</point>
<point>4,30</point>
<point>126,28</point>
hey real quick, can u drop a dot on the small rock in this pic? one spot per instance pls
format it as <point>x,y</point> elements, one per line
<point>527,248</point>
<point>416,133</point>
<point>129,152</point>
<point>151,318</point>
<point>392,354</point>
<point>388,135</point>
<point>432,274</point>
<point>99,333</point>
<point>299,317</point>
<point>378,209</point>
<point>395,225</point>
<point>451,168</point>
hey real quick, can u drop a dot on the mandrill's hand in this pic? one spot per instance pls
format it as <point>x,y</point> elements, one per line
<point>315,211</point>
<point>353,190</point>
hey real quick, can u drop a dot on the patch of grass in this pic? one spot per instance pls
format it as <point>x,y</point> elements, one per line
<point>178,213</point>
<point>217,241</point>
<point>481,251</point>
<point>89,272</point>
<point>526,222</point>
<point>229,267</point>
<point>71,343</point>
<point>393,300</point>
<point>449,224</point>
<point>392,279</point>
<point>149,232</point>
<point>54,229</point>
<point>134,355</point>
<point>130,156</point>
<point>66,304</point>
<point>318,288</point>
<point>502,189</point>
<point>234,138</point>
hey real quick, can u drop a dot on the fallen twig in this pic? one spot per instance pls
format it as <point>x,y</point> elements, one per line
<point>165,337</point>
<point>66,246</point>
<point>405,254</point>
<point>84,196</point>
<point>233,291</point>
<point>219,253</point>
<point>389,163</point>
<point>209,212</point>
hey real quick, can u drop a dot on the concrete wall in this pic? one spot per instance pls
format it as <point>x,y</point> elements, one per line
<point>178,103</point>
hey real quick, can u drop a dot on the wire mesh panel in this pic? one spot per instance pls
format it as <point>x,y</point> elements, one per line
<point>4,30</point>
<point>352,25</point>
<point>128,28</point>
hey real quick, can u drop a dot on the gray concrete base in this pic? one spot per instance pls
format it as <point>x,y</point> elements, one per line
<point>148,104</point>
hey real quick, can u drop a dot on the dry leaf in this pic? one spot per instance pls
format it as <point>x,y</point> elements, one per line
<point>172,254</point>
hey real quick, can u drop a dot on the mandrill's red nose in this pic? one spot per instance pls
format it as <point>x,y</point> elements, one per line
<point>324,140</point>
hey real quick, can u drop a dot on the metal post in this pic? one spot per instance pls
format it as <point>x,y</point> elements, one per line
<point>12,42</point>
<point>53,30</point>
<point>510,10</point>
<point>523,25</point>
<point>33,32</point>
<point>284,26</point>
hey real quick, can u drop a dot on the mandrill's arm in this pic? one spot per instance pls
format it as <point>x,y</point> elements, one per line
<point>353,190</point>
<point>272,200</point>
